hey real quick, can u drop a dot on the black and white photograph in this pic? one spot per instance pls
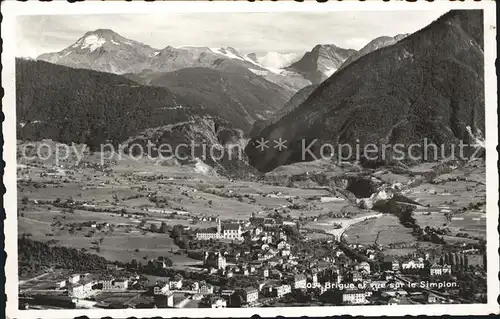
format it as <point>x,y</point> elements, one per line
<point>295,159</point>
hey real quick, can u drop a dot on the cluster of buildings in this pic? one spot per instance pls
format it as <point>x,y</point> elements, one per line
<point>229,231</point>
<point>83,286</point>
<point>278,272</point>
<point>266,269</point>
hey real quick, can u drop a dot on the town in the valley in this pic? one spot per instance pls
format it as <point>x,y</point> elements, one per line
<point>262,262</point>
<point>157,256</point>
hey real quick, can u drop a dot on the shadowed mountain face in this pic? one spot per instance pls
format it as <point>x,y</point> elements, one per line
<point>428,85</point>
<point>289,106</point>
<point>233,93</point>
<point>321,62</point>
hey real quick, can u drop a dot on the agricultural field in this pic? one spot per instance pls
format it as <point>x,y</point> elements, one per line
<point>122,298</point>
<point>383,230</point>
<point>132,195</point>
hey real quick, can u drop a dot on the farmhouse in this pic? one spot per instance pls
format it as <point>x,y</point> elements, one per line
<point>439,270</point>
<point>363,267</point>
<point>433,298</point>
<point>353,297</point>
<point>206,289</point>
<point>175,283</point>
<point>73,279</point>
<point>355,276</point>
<point>250,295</point>
<point>121,284</point>
<point>280,291</point>
<point>161,288</point>
<point>300,281</point>
<point>217,302</point>
<point>60,284</point>
<point>164,300</point>
<point>214,259</point>
<point>413,264</point>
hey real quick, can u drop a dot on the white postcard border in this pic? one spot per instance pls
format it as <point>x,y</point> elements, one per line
<point>12,9</point>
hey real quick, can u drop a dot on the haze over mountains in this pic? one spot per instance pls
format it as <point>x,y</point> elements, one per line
<point>428,85</point>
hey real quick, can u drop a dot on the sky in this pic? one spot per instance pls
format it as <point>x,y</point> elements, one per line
<point>247,32</point>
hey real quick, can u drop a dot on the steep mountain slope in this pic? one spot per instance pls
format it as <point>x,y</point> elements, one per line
<point>103,50</point>
<point>373,45</point>
<point>232,92</point>
<point>84,106</point>
<point>319,63</point>
<point>428,85</point>
<point>297,99</point>
<point>294,102</point>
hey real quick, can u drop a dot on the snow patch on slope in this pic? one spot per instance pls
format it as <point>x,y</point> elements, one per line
<point>93,42</point>
<point>227,53</point>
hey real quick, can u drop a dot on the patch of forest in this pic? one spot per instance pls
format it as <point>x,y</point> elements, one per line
<point>84,106</point>
<point>35,256</point>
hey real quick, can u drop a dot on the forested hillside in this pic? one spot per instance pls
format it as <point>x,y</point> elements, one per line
<point>428,85</point>
<point>34,256</point>
<point>84,106</point>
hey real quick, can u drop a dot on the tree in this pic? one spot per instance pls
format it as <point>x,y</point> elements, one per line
<point>163,228</point>
<point>25,200</point>
<point>177,231</point>
<point>153,228</point>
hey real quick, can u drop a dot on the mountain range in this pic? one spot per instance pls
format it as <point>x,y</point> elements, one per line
<point>428,85</point>
<point>400,89</point>
<point>106,51</point>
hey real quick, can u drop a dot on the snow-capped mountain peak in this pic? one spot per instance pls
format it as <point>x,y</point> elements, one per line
<point>93,40</point>
<point>103,50</point>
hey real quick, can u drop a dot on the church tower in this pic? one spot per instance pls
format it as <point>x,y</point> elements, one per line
<point>219,228</point>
